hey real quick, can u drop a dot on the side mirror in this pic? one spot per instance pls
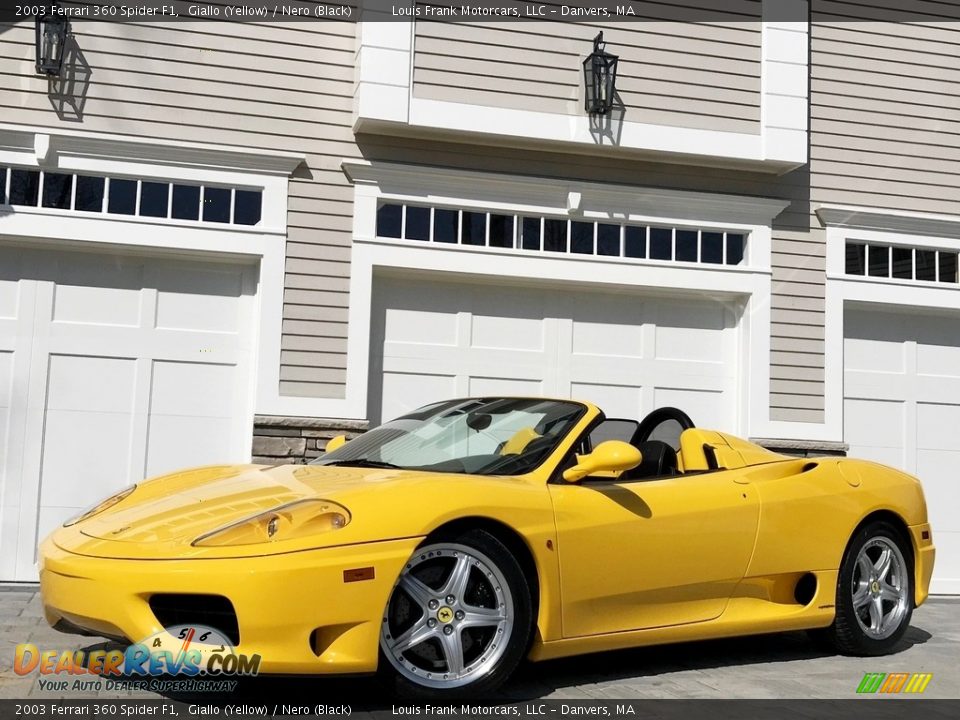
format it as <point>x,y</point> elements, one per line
<point>610,456</point>
<point>335,442</point>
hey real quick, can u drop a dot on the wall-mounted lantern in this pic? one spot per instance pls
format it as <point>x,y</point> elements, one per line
<point>600,78</point>
<point>51,39</point>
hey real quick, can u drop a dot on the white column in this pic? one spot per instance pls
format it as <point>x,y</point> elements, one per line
<point>384,65</point>
<point>785,71</point>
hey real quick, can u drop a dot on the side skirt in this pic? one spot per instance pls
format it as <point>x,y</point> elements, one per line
<point>745,614</point>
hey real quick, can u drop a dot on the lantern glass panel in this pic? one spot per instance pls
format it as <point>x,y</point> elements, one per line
<point>600,73</point>
<point>610,74</point>
<point>599,84</point>
<point>589,85</point>
<point>51,37</point>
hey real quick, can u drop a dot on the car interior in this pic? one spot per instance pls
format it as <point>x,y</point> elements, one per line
<point>657,437</point>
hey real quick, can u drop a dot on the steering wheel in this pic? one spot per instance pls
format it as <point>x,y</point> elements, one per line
<point>656,418</point>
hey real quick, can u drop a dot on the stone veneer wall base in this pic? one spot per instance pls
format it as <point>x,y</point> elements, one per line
<point>279,440</point>
<point>803,448</point>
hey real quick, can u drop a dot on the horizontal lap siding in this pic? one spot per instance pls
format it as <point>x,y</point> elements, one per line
<point>884,133</point>
<point>273,86</point>
<point>703,75</point>
<point>797,308</point>
<point>885,110</point>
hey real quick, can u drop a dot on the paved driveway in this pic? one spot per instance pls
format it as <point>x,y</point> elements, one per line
<point>773,666</point>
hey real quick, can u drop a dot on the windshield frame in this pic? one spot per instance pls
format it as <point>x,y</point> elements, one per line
<point>429,414</point>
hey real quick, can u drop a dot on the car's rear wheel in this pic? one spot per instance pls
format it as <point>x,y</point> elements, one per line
<point>458,620</point>
<point>874,592</point>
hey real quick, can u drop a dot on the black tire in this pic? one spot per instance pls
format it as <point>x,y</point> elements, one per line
<point>822,639</point>
<point>409,682</point>
<point>849,633</point>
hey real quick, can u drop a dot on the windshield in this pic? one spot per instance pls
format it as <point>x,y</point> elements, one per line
<point>487,436</point>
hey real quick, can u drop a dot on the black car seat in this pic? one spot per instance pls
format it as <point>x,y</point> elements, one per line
<point>659,460</point>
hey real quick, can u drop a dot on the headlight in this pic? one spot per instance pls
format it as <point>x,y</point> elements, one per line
<point>301,518</point>
<point>100,507</point>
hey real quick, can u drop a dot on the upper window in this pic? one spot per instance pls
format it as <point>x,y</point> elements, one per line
<point>902,263</point>
<point>130,196</point>
<point>559,235</point>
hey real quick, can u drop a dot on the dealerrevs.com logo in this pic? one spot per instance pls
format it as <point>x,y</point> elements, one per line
<point>894,683</point>
<point>193,658</point>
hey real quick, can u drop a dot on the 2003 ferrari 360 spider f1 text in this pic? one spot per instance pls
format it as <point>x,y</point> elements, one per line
<point>445,546</point>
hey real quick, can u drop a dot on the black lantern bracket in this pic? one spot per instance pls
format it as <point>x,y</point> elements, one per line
<point>600,78</point>
<point>52,30</point>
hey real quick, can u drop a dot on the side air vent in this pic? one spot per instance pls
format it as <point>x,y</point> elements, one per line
<point>810,466</point>
<point>806,589</point>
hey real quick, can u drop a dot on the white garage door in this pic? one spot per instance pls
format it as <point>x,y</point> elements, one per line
<point>113,368</point>
<point>902,408</point>
<point>628,353</point>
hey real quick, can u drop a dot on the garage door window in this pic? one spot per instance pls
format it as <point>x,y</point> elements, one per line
<point>559,235</point>
<point>901,263</point>
<point>130,196</point>
<point>24,187</point>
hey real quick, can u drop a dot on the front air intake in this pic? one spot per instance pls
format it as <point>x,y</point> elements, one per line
<point>213,611</point>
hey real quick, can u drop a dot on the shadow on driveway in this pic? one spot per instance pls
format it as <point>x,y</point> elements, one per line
<point>564,677</point>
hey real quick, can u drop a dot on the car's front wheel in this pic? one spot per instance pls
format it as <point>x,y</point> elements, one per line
<point>874,592</point>
<point>458,620</point>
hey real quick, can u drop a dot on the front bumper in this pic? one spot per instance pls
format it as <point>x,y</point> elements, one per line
<point>296,610</point>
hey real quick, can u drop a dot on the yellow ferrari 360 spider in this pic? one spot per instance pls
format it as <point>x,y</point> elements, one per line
<point>445,546</point>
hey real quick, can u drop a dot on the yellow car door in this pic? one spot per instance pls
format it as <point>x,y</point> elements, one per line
<point>651,553</point>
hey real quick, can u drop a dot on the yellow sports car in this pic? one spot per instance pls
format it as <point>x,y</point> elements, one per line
<point>445,546</point>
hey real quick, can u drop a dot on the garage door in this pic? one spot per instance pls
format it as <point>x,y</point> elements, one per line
<point>628,353</point>
<point>902,408</point>
<point>113,368</point>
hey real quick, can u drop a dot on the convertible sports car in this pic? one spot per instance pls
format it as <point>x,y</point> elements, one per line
<point>445,546</point>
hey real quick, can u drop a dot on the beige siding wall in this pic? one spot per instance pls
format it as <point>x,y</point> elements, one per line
<point>703,75</point>
<point>797,310</point>
<point>885,116</point>
<point>277,86</point>
<point>884,133</point>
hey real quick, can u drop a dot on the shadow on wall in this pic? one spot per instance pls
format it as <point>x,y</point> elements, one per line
<point>607,129</point>
<point>68,92</point>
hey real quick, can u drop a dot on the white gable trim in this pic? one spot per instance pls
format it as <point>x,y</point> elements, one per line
<point>32,145</point>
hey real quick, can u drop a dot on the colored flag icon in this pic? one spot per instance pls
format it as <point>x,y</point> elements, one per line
<point>894,683</point>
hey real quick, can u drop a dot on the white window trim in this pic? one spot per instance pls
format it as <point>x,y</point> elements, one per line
<point>846,223</point>
<point>265,243</point>
<point>749,284</point>
<point>384,100</point>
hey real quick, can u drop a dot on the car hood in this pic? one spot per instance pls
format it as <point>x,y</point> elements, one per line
<point>193,508</point>
<point>164,516</point>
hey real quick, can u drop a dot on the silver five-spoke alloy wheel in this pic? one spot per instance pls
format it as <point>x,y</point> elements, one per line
<point>880,588</point>
<point>449,618</point>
